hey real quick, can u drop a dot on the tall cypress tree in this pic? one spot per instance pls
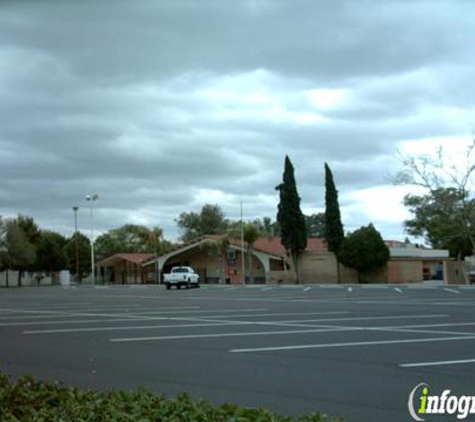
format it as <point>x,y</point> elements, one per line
<point>334,234</point>
<point>290,217</point>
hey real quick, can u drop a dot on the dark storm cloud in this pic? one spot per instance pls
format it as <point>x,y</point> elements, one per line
<point>163,106</point>
<point>323,40</point>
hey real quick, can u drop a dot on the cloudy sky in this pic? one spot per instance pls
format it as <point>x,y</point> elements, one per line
<point>162,106</point>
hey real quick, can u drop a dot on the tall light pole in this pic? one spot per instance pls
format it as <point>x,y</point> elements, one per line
<point>243,268</point>
<point>75,209</point>
<point>92,199</point>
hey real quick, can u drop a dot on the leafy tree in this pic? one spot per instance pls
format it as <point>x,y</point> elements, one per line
<point>130,238</point>
<point>250,235</point>
<point>210,220</point>
<point>334,233</point>
<point>364,250</point>
<point>3,238</point>
<point>30,228</point>
<point>32,235</point>
<point>266,227</point>
<point>445,212</point>
<point>290,217</point>
<point>443,217</point>
<point>15,250</point>
<point>316,225</point>
<point>51,256</point>
<point>270,228</point>
<point>84,249</point>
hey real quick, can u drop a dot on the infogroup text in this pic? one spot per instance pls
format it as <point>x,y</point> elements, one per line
<point>421,403</point>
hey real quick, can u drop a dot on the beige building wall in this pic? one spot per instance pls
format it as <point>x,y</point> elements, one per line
<point>321,268</point>
<point>379,276</point>
<point>404,271</point>
<point>315,268</point>
<point>207,262</point>
<point>455,272</point>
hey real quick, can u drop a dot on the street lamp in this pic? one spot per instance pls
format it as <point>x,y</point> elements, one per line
<point>243,268</point>
<point>75,209</point>
<point>92,199</point>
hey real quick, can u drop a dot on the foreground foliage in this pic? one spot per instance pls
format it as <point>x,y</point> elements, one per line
<point>31,400</point>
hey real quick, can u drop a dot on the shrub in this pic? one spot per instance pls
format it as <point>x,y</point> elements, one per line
<point>37,401</point>
<point>364,250</point>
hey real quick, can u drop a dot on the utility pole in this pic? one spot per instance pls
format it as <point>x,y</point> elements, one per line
<point>92,199</point>
<point>243,267</point>
<point>75,209</point>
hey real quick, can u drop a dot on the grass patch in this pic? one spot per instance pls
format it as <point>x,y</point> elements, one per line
<point>36,401</point>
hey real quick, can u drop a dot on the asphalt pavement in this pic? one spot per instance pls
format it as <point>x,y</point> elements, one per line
<point>350,351</point>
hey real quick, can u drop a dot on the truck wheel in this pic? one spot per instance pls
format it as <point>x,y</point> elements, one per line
<point>178,286</point>
<point>168,286</point>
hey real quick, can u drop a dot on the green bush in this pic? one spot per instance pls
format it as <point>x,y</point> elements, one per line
<point>30,400</point>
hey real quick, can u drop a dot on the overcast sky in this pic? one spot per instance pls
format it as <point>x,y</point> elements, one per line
<point>160,107</point>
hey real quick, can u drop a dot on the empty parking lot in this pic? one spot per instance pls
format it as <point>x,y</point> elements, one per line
<point>351,351</point>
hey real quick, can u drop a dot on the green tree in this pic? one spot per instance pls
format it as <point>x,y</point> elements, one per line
<point>290,217</point>
<point>51,256</point>
<point>250,234</point>
<point>316,225</point>
<point>444,218</point>
<point>4,244</point>
<point>364,250</point>
<point>334,233</point>
<point>15,249</point>
<point>210,220</point>
<point>84,249</point>
<point>445,213</point>
<point>30,228</point>
<point>130,238</point>
<point>266,227</point>
<point>32,235</point>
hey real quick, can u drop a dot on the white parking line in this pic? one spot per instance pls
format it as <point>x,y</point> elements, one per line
<point>398,290</point>
<point>351,344</point>
<point>209,320</point>
<point>281,314</point>
<point>268,323</point>
<point>266,289</point>
<point>219,335</point>
<point>125,328</point>
<point>448,324</point>
<point>307,289</point>
<point>408,330</point>
<point>447,362</point>
<point>452,291</point>
<point>65,314</point>
<point>80,321</point>
<point>390,317</point>
<point>124,317</point>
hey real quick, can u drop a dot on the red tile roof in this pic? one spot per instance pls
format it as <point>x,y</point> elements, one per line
<point>273,245</point>
<point>136,258</point>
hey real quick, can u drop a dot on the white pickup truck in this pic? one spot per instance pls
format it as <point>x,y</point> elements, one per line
<point>181,276</point>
